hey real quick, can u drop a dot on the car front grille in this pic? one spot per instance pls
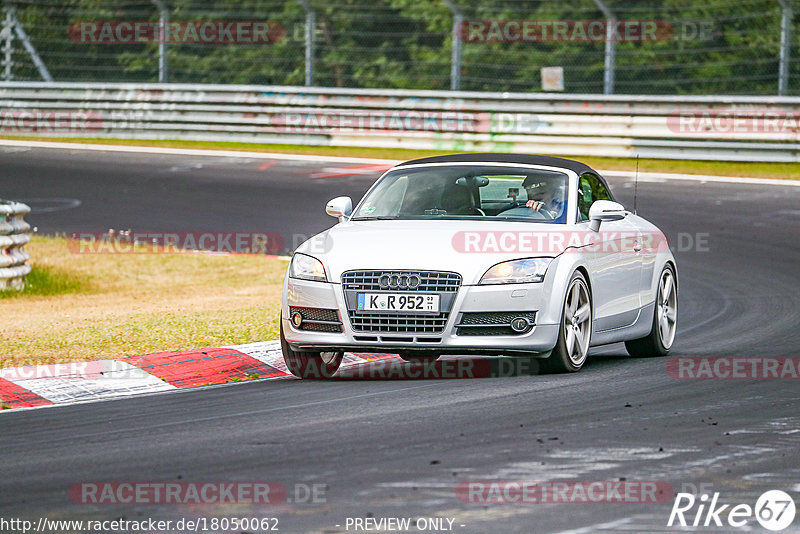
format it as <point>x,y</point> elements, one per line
<point>399,322</point>
<point>445,284</point>
<point>430,281</point>
<point>491,323</point>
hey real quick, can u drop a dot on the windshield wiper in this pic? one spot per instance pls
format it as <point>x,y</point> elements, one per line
<point>378,218</point>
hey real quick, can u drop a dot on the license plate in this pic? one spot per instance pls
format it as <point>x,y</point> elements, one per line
<point>398,302</point>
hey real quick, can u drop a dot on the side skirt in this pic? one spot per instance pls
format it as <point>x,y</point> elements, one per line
<point>640,328</point>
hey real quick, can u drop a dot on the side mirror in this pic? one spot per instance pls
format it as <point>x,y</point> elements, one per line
<point>605,210</point>
<point>339,207</point>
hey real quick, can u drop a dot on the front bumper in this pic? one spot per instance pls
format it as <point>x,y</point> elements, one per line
<point>540,339</point>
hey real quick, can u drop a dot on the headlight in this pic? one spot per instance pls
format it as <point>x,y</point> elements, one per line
<point>307,268</point>
<point>517,271</point>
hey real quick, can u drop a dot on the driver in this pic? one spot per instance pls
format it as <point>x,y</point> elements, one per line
<point>544,195</point>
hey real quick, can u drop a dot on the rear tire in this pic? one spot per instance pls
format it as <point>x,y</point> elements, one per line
<point>310,364</point>
<point>575,330</point>
<point>665,320</point>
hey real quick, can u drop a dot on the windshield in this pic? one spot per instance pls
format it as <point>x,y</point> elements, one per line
<point>467,192</point>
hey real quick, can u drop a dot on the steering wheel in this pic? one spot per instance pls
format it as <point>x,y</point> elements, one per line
<point>546,214</point>
<point>519,204</point>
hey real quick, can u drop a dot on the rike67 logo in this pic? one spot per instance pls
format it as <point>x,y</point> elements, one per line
<point>774,510</point>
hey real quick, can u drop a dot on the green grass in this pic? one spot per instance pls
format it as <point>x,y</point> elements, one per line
<point>789,171</point>
<point>80,307</point>
<point>48,281</point>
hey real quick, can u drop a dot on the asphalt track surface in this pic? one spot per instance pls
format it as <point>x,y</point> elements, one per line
<point>399,448</point>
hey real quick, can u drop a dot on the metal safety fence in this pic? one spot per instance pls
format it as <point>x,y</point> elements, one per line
<point>748,47</point>
<point>683,127</point>
<point>13,237</point>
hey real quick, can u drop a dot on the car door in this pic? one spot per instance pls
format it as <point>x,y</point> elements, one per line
<point>615,260</point>
<point>652,243</point>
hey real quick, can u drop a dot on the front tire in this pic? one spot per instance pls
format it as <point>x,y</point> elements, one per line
<point>310,364</point>
<point>665,320</point>
<point>575,331</point>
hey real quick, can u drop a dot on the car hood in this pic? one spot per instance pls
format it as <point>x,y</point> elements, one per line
<point>466,247</point>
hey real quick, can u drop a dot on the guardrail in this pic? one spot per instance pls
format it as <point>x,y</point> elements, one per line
<point>13,236</point>
<point>685,127</point>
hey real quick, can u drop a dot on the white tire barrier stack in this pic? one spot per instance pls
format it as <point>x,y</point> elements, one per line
<point>13,237</point>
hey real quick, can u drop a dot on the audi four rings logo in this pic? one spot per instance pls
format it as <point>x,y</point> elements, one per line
<point>399,281</point>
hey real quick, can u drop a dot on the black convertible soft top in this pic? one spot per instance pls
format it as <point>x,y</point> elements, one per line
<point>527,159</point>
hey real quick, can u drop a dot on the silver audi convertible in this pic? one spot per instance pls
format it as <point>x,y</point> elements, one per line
<point>480,254</point>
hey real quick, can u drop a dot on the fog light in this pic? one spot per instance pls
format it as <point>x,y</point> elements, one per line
<point>519,325</point>
<point>297,319</point>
